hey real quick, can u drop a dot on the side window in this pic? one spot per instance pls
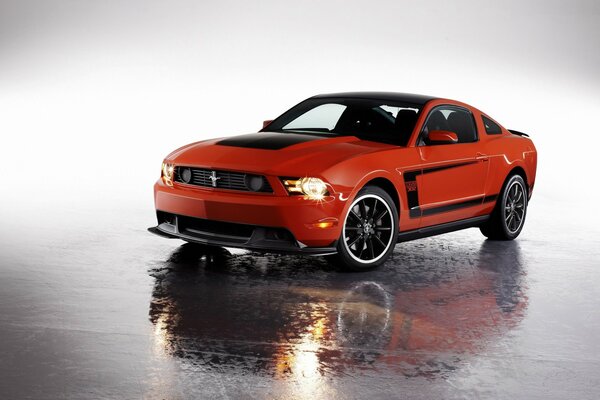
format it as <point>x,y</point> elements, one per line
<point>453,119</point>
<point>491,128</point>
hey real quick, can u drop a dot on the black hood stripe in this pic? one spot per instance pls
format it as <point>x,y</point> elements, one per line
<point>268,140</point>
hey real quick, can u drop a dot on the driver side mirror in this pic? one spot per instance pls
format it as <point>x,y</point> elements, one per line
<point>442,137</point>
<point>267,123</point>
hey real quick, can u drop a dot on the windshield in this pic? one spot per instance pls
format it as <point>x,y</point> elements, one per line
<point>368,119</point>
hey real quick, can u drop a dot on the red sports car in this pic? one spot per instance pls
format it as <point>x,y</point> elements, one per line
<point>350,175</point>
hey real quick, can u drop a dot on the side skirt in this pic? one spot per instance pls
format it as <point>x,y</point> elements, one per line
<point>442,228</point>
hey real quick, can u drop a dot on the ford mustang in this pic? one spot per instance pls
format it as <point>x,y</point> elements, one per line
<point>348,176</point>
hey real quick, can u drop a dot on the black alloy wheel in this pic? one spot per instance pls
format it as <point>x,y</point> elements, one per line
<point>370,230</point>
<point>507,220</point>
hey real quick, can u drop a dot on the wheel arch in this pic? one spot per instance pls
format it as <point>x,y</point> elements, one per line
<point>381,179</point>
<point>518,170</point>
<point>386,185</point>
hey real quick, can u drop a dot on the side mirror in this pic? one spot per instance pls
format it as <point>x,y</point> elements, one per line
<point>267,123</point>
<point>442,137</point>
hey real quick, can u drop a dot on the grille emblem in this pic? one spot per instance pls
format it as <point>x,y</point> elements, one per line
<point>214,178</point>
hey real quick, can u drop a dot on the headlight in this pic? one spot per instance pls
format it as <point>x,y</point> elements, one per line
<point>167,172</point>
<point>313,188</point>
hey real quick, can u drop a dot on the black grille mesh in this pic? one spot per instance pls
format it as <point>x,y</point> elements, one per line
<point>225,179</point>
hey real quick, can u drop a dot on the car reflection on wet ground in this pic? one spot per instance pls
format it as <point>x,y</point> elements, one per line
<point>307,320</point>
<point>115,312</point>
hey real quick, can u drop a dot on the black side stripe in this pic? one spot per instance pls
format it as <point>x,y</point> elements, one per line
<point>412,193</point>
<point>443,167</point>
<point>456,206</point>
<point>452,207</point>
<point>412,190</point>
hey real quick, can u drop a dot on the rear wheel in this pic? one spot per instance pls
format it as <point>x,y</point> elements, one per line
<point>370,230</point>
<point>508,217</point>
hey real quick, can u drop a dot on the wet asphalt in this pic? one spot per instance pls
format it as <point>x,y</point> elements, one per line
<point>93,306</point>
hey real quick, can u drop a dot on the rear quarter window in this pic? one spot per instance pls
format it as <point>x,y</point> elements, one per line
<point>491,128</point>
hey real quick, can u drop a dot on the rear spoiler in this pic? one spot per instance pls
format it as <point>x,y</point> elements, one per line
<point>518,133</point>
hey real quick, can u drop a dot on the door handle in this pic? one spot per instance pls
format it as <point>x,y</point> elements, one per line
<point>482,157</point>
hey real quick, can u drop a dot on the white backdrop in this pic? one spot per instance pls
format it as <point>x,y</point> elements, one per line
<point>93,94</point>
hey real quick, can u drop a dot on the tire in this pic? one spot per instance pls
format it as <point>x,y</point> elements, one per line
<point>369,231</point>
<point>508,218</point>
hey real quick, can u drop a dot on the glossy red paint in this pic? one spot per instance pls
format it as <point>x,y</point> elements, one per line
<point>346,164</point>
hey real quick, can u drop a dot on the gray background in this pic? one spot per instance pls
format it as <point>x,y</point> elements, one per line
<point>93,94</point>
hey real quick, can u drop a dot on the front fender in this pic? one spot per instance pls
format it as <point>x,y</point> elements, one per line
<point>349,180</point>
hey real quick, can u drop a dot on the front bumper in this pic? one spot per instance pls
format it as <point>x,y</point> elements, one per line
<point>299,216</point>
<point>255,238</point>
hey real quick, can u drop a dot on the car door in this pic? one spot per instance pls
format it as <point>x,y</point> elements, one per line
<point>452,176</point>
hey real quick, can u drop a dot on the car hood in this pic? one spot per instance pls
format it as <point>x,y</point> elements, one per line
<point>272,153</point>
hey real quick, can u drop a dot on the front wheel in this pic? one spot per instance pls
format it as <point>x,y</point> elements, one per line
<point>508,217</point>
<point>369,232</point>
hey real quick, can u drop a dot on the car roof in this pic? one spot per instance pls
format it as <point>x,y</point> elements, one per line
<point>419,99</point>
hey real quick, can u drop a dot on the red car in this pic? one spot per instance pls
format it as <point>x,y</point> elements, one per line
<point>350,175</point>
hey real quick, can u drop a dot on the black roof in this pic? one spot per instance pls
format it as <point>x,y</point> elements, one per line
<point>419,99</point>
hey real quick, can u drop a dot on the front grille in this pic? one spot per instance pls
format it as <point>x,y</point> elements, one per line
<point>221,179</point>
